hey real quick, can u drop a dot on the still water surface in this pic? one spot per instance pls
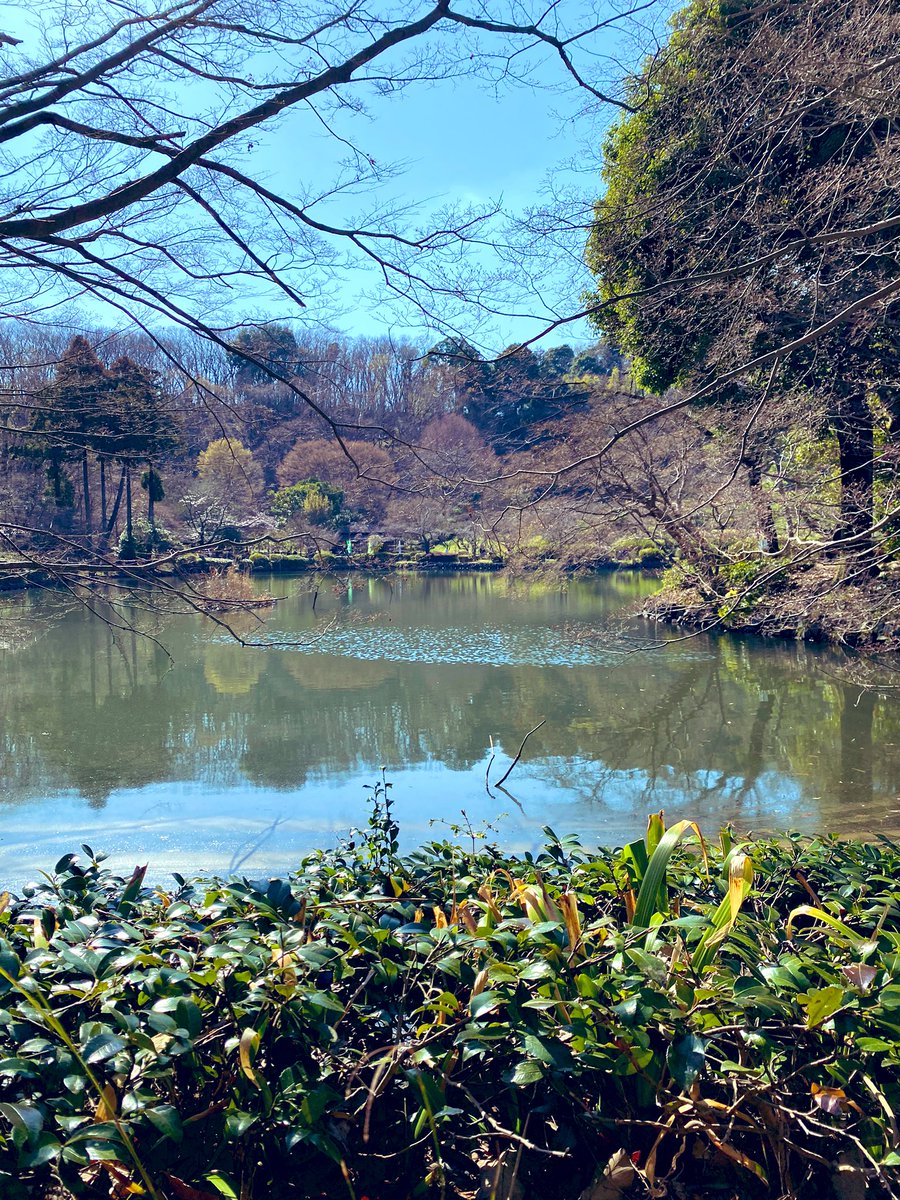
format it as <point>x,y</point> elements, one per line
<point>200,755</point>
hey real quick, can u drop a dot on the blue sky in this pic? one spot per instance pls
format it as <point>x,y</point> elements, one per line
<point>455,142</point>
<point>460,142</point>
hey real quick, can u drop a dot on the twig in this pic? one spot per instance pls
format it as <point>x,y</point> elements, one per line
<point>501,782</point>
<point>487,773</point>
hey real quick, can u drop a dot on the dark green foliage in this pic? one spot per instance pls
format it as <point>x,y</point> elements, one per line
<point>145,540</point>
<point>139,424</point>
<point>71,419</point>
<point>269,345</point>
<point>507,398</point>
<point>376,1022</point>
<point>743,210</point>
<point>152,484</point>
<point>276,563</point>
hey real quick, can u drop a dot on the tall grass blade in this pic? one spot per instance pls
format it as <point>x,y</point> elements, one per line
<point>740,880</point>
<point>652,897</point>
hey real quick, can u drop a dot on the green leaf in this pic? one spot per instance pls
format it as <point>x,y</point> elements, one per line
<point>237,1123</point>
<point>189,1016</point>
<point>628,1011</point>
<point>651,898</point>
<point>26,1119</point>
<point>872,1045</point>
<point>526,1073</point>
<point>102,1046</point>
<point>9,965</point>
<point>167,1120</point>
<point>45,1149</point>
<point>223,1185</point>
<point>821,1004</point>
<point>323,1000</point>
<point>485,1002</point>
<point>685,1059</point>
<point>538,969</point>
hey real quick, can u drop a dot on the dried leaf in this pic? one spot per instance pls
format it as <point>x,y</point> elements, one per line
<point>107,1105</point>
<point>860,975</point>
<point>614,1181</point>
<point>467,917</point>
<point>184,1191</point>
<point>568,903</point>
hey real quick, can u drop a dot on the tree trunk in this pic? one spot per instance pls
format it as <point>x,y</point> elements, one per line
<point>102,493</point>
<point>854,428</point>
<point>115,509</point>
<point>151,498</point>
<point>86,495</point>
<point>765,516</point>
<point>857,721</point>
<point>129,521</point>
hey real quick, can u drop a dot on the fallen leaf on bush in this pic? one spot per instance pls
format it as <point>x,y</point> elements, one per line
<point>832,1100</point>
<point>615,1179</point>
<point>184,1191</point>
<point>860,975</point>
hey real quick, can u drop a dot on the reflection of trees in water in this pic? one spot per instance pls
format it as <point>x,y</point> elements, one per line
<point>324,673</point>
<point>74,721</point>
<point>230,669</point>
<point>717,731</point>
<point>91,711</point>
<point>857,751</point>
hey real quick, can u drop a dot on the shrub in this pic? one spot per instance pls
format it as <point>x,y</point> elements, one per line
<point>639,550</point>
<point>318,503</point>
<point>393,1025</point>
<point>146,540</point>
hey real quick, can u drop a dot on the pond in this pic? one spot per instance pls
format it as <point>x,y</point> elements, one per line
<point>188,751</point>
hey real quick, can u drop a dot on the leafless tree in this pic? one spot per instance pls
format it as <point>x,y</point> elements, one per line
<point>132,183</point>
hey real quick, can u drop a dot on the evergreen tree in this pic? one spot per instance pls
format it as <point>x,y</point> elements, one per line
<point>747,210</point>
<point>140,428</point>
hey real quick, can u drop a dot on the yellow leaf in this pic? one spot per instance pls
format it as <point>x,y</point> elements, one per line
<point>831,1100</point>
<point>656,827</point>
<point>568,902</point>
<point>487,896</point>
<point>480,982</point>
<point>248,1045</point>
<point>283,967</point>
<point>4,901</point>
<point>740,880</point>
<point>551,912</point>
<point>736,1155</point>
<point>107,1104</point>
<point>827,918</point>
<point>440,918</point>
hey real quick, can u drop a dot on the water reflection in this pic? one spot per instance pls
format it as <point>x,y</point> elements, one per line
<point>228,754</point>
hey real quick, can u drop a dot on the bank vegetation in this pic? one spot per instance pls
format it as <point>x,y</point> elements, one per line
<point>678,1018</point>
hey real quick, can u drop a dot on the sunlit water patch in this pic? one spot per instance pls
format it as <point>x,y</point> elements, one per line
<point>490,645</point>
